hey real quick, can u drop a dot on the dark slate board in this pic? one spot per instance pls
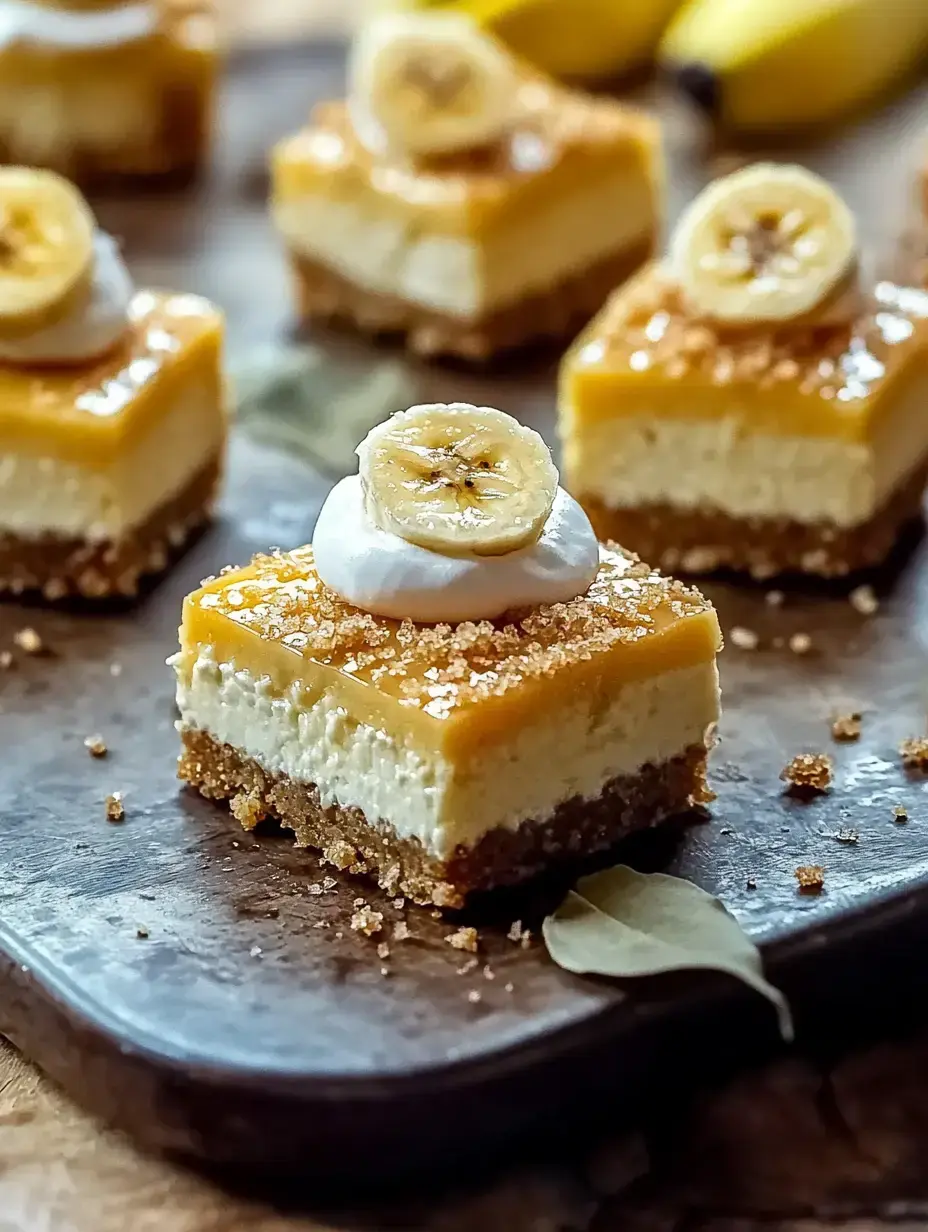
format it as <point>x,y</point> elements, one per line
<point>237,1030</point>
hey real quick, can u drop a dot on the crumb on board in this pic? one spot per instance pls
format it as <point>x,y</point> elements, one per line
<point>900,814</point>
<point>808,773</point>
<point>509,988</point>
<point>751,883</point>
<point>384,971</point>
<point>800,643</point>
<point>401,931</point>
<point>328,884</point>
<point>366,920</point>
<point>255,951</point>
<point>341,854</point>
<point>464,939</point>
<point>95,745</point>
<point>28,641</point>
<point>247,809</point>
<point>811,878</point>
<point>6,660</point>
<point>115,669</point>
<point>846,727</point>
<point>471,965</point>
<point>914,753</point>
<point>774,598</point>
<point>847,834</point>
<point>383,950</point>
<point>142,933</point>
<point>488,972</point>
<point>515,931</point>
<point>863,600</point>
<point>474,996</point>
<point>744,639</point>
<point>115,809</point>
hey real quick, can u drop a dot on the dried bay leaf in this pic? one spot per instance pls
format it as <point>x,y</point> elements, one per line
<point>625,924</point>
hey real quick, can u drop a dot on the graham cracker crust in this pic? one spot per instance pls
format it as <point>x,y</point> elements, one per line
<point>698,541</point>
<point>557,312</point>
<point>59,568</point>
<point>401,865</point>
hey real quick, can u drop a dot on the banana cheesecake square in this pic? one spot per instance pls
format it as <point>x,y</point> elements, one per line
<point>112,403</point>
<point>460,201</point>
<point>795,443</point>
<point>103,90</point>
<point>448,757</point>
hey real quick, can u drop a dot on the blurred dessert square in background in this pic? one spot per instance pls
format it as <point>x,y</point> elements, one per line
<point>751,403</point>
<point>460,199</point>
<point>102,89</point>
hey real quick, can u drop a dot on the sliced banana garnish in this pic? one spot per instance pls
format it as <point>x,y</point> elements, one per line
<point>458,479</point>
<point>429,83</point>
<point>46,248</point>
<point>765,245</point>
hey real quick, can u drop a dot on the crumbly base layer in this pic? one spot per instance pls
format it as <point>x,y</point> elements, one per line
<point>703,541</point>
<point>557,312</point>
<point>59,568</point>
<point>403,866</point>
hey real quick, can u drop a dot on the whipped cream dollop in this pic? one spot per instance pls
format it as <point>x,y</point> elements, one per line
<point>384,574</point>
<point>24,22</point>
<point>93,326</point>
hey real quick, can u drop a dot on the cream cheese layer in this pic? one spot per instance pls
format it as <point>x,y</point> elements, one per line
<point>426,795</point>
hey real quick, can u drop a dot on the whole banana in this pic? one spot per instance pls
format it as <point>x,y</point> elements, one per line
<point>773,65</point>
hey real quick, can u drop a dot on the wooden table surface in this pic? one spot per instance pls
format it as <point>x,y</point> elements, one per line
<point>793,1148</point>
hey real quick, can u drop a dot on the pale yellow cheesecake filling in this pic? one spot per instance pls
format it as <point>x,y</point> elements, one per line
<point>426,795</point>
<point>390,253</point>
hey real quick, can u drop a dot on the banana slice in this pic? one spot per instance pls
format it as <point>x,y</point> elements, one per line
<point>764,245</point>
<point>458,479</point>
<point>46,248</point>
<point>429,83</point>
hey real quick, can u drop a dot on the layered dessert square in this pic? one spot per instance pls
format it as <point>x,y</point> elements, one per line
<point>108,90</point>
<point>472,238</point>
<point>770,445</point>
<point>446,757</point>
<point>112,404</point>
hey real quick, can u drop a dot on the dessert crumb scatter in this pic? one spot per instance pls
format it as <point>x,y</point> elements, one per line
<point>383,950</point>
<point>900,814</point>
<point>247,810</point>
<point>464,939</point>
<point>474,996</point>
<point>808,772</point>
<point>515,931</point>
<point>846,726</point>
<point>914,753</point>
<point>28,641</point>
<point>115,809</point>
<point>401,931</point>
<point>508,988</point>
<point>384,971</point>
<point>489,973</point>
<point>466,968</point>
<point>367,921</point>
<point>328,884</point>
<point>863,600</point>
<point>847,835</point>
<point>800,643</point>
<point>744,639</point>
<point>774,598</point>
<point>811,878</point>
<point>6,660</point>
<point>95,746</point>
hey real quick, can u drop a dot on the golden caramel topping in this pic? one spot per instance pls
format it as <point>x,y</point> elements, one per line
<point>439,668</point>
<point>645,327</point>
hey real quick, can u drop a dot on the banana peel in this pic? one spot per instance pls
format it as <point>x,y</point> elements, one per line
<point>781,65</point>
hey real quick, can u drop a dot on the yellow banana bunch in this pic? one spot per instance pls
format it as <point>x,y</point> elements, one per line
<point>566,38</point>
<point>771,65</point>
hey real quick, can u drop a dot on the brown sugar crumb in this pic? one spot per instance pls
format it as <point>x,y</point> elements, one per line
<point>847,835</point>
<point>383,950</point>
<point>6,660</point>
<point>474,996</point>
<point>401,931</point>
<point>900,814</point>
<point>463,939</point>
<point>846,726</point>
<point>247,809</point>
<point>744,639</point>
<point>28,641</point>
<point>811,878</point>
<point>367,921</point>
<point>341,854</point>
<point>115,809</point>
<point>808,772</point>
<point>95,746</point>
<point>914,753</point>
<point>862,599</point>
<point>800,643</point>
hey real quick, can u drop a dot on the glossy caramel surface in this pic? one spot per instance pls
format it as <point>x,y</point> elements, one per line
<point>90,413</point>
<point>645,353</point>
<point>560,138</point>
<point>448,682</point>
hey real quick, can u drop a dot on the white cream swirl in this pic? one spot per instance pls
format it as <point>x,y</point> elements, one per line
<point>384,574</point>
<point>92,328</point>
<point>22,21</point>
